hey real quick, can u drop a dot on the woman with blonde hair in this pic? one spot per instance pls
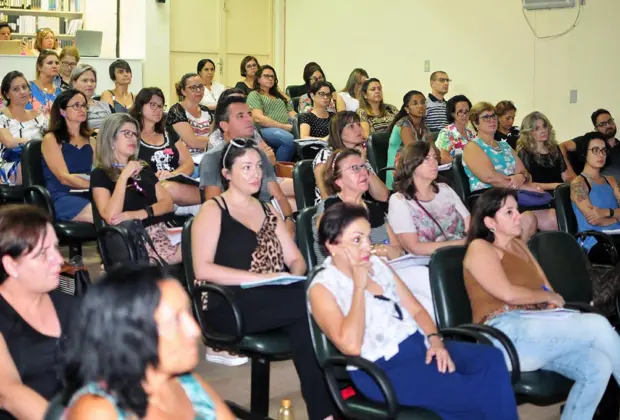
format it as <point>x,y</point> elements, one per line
<point>43,89</point>
<point>540,153</point>
<point>347,98</point>
<point>45,40</point>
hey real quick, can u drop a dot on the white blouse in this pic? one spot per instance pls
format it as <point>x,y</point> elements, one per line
<point>350,102</point>
<point>384,330</point>
<point>211,96</point>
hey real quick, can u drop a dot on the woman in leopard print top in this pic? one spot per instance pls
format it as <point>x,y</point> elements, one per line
<point>236,239</point>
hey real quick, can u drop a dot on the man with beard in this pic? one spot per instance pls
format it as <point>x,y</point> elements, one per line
<point>604,124</point>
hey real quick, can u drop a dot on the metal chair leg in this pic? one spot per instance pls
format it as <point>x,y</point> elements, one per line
<point>75,248</point>
<point>259,399</point>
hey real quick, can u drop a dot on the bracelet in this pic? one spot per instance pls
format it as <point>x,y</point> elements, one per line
<point>291,218</point>
<point>434,334</point>
<point>149,212</point>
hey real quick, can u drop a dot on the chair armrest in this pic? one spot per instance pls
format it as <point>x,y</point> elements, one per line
<point>39,196</point>
<point>124,235</point>
<point>386,170</point>
<point>583,307</point>
<point>229,298</point>
<point>603,237</point>
<point>457,332</point>
<point>380,378</point>
<point>505,342</point>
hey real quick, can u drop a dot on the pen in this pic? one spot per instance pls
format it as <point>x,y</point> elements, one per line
<point>545,288</point>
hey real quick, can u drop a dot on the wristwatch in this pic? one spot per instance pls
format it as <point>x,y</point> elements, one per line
<point>291,218</point>
<point>611,212</point>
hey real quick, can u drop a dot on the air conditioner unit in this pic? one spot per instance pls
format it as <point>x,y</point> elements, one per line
<point>547,4</point>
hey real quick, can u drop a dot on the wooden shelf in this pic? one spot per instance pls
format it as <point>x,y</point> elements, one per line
<point>58,36</point>
<point>31,12</point>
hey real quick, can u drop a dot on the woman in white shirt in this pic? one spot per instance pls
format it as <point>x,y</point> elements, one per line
<point>213,90</point>
<point>425,215</point>
<point>347,98</point>
<point>366,310</point>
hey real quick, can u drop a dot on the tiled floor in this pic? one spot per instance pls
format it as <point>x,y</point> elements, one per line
<point>233,383</point>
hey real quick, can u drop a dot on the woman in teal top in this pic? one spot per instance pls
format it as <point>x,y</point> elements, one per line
<point>489,163</point>
<point>131,351</point>
<point>408,127</point>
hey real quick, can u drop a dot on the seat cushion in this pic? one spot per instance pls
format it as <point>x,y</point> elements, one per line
<point>542,387</point>
<point>76,230</point>
<point>274,344</point>
<point>12,193</point>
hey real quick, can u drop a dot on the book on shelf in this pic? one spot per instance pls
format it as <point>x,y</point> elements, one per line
<point>29,24</point>
<point>44,5</point>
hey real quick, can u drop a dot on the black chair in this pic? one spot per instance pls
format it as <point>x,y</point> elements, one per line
<point>56,407</point>
<point>295,103</point>
<point>305,239</point>
<point>113,242</point>
<point>295,124</point>
<point>261,348</point>
<point>461,183</point>
<point>453,309</point>
<point>378,144</point>
<point>304,183</point>
<point>71,233</point>
<point>334,363</point>
<point>567,222</point>
<point>12,194</point>
<point>295,91</point>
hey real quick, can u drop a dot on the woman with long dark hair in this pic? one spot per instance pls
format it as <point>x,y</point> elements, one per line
<point>375,114</point>
<point>348,98</point>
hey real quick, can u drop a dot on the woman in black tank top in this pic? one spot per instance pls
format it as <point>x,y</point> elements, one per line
<point>33,316</point>
<point>237,239</point>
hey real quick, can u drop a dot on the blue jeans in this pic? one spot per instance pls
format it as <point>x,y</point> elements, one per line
<point>281,141</point>
<point>582,347</point>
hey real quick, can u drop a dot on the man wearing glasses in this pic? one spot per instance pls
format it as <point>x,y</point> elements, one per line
<point>603,123</point>
<point>436,118</point>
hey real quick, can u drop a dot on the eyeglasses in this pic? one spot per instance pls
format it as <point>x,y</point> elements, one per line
<point>356,168</point>
<point>78,105</point>
<point>598,151</point>
<point>251,66</point>
<point>462,112</point>
<point>155,106</point>
<point>68,64</point>
<point>240,143</point>
<point>324,94</point>
<point>444,80</point>
<point>488,118</point>
<point>315,79</point>
<point>129,134</point>
<point>605,123</point>
<point>196,88</point>
<point>269,76</point>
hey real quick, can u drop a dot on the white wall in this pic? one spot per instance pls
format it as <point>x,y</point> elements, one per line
<point>100,15</point>
<point>485,46</point>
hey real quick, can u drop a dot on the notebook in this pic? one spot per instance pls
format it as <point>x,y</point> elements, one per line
<point>281,280</point>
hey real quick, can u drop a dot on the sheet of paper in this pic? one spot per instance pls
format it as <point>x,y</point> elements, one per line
<point>280,280</point>
<point>612,231</point>
<point>445,166</point>
<point>174,234</point>
<point>409,260</point>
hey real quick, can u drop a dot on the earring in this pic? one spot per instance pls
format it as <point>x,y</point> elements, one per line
<point>492,230</point>
<point>333,254</point>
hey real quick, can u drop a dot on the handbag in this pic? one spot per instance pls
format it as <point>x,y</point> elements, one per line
<point>74,277</point>
<point>138,240</point>
<point>284,169</point>
<point>533,199</point>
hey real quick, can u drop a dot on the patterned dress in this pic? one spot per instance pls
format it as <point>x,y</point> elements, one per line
<point>502,158</point>
<point>452,141</point>
<point>200,125</point>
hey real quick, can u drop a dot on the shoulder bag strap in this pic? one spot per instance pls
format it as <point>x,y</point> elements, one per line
<point>432,218</point>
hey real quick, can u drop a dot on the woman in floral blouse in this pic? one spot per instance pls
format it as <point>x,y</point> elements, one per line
<point>452,139</point>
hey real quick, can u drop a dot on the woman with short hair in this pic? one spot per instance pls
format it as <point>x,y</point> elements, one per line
<point>84,79</point>
<point>249,67</point>
<point>119,98</point>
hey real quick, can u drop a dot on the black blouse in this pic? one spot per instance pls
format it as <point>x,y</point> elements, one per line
<point>164,157</point>
<point>545,169</point>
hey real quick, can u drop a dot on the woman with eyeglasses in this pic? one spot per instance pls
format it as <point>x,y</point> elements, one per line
<point>408,126</point>
<point>313,73</point>
<point>84,79</point>
<point>489,163</point>
<point>366,311</point>
<point>213,89</point>
<point>506,130</point>
<point>189,118</point>
<point>238,239</point>
<point>43,90</point>
<point>161,146</point>
<point>453,138</point>
<point>539,151</point>
<point>69,58</point>
<point>347,180</point>
<point>125,188</point>
<point>272,112</point>
<point>17,126</point>
<point>345,132</point>
<point>119,98</point>
<point>249,67</point>
<point>67,150</point>
<point>348,98</point>
<point>315,123</point>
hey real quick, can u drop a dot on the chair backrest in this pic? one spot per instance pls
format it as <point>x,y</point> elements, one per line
<point>295,131</point>
<point>304,184</point>
<point>305,239</point>
<point>567,222</point>
<point>56,407</point>
<point>295,91</point>
<point>378,144</point>
<point>434,135</point>
<point>186,251</point>
<point>31,162</point>
<point>460,178</point>
<point>295,103</point>
<point>564,263</point>
<point>452,306</point>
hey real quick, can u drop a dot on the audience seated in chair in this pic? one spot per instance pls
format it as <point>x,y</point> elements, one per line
<point>347,98</point>
<point>489,163</point>
<point>67,150</point>
<point>249,67</point>
<point>150,375</point>
<point>190,119</point>
<point>408,127</point>
<point>69,58</point>
<point>162,148</point>
<point>538,150</point>
<point>272,112</point>
<point>347,179</point>
<point>44,40</point>
<point>119,98</point>
<point>233,118</point>
<point>345,132</point>
<point>315,123</point>
<point>34,317</point>
<point>453,138</point>
<point>506,130</point>
<point>84,79</point>
<point>124,188</point>
<point>503,278</point>
<point>206,70</point>
<point>365,310</point>
<point>237,238</point>
<point>375,115</point>
<point>313,73</point>
<point>43,90</point>
<point>17,125</point>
